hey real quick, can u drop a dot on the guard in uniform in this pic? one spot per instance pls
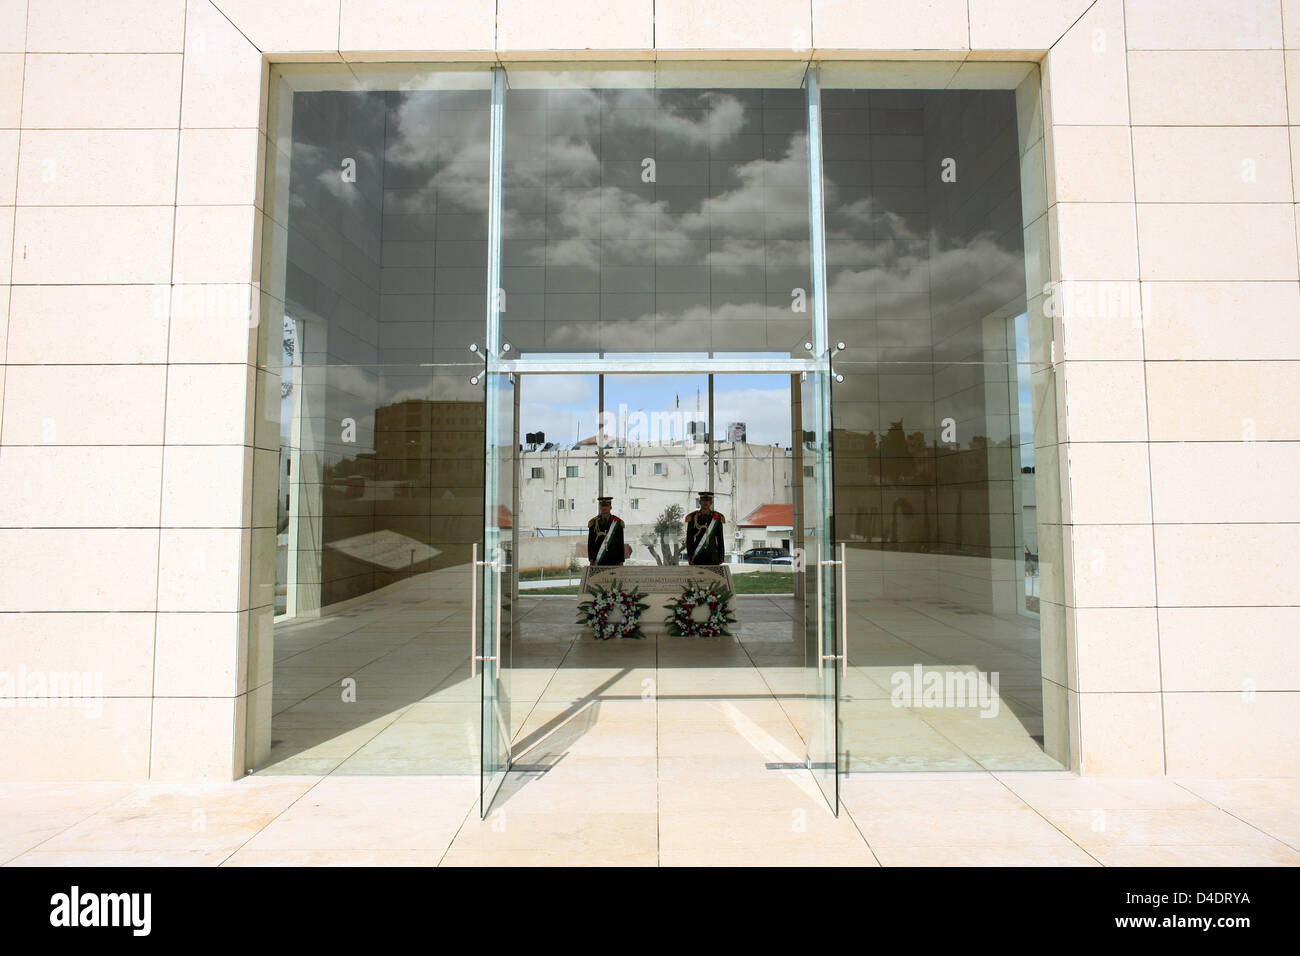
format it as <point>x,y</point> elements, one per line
<point>705,542</point>
<point>605,536</point>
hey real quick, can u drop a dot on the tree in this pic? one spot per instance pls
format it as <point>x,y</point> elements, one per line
<point>289,344</point>
<point>670,534</point>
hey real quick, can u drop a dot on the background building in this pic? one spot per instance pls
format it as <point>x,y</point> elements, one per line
<point>559,487</point>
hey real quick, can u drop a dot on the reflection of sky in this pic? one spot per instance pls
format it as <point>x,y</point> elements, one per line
<point>565,406</point>
<point>730,199</point>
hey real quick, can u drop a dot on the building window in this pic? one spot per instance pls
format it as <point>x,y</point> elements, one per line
<point>726,467</point>
<point>570,471</point>
<point>609,471</point>
<point>632,469</point>
<point>571,508</point>
<point>535,473</point>
<point>659,468</point>
<point>807,471</point>
<point>560,504</point>
<point>636,504</point>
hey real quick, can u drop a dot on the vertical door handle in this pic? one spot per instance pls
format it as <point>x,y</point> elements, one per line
<point>820,637</point>
<point>500,566</point>
<point>844,609</point>
<point>474,565</point>
<point>821,647</point>
<point>473,611</point>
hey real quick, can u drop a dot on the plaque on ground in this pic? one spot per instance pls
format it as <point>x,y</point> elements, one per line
<point>654,579</point>
<point>387,549</point>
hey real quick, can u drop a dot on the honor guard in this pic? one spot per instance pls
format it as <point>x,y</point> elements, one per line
<point>705,543</point>
<point>605,536</point>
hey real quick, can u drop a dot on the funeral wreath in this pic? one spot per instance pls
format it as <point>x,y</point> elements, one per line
<point>614,611</point>
<point>714,598</point>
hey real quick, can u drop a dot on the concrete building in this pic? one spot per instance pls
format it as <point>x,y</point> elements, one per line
<point>558,487</point>
<point>1028,266</point>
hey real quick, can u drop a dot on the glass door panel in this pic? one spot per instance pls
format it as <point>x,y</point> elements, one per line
<point>498,571</point>
<point>945,493</point>
<point>379,483</point>
<point>821,579</point>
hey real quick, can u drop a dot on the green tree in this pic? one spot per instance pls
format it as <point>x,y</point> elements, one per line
<point>670,536</point>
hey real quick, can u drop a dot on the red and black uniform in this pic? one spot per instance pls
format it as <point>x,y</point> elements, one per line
<point>711,551</point>
<point>598,529</point>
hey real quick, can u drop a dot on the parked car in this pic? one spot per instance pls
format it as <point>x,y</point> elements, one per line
<point>763,555</point>
<point>784,560</point>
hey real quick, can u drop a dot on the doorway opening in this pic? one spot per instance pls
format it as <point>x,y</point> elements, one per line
<point>657,703</point>
<point>513,228</point>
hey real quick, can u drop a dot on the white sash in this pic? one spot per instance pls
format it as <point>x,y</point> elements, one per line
<point>707,534</point>
<point>608,534</point>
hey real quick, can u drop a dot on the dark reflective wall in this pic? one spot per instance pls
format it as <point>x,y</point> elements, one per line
<point>934,447</point>
<point>384,292</point>
<point>926,277</point>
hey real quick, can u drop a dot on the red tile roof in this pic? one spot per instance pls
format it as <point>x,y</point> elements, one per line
<point>766,515</point>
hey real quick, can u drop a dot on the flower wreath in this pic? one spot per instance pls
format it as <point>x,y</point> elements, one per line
<point>597,613</point>
<point>716,597</point>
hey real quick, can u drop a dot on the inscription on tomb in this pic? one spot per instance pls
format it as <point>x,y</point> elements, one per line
<point>653,579</point>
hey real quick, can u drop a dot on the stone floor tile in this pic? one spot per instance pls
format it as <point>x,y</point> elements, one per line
<point>1206,826</point>
<point>1280,822</point>
<point>583,784</point>
<point>863,792</point>
<point>21,800</point>
<point>616,834</point>
<point>18,840</point>
<point>123,857</point>
<point>552,857</point>
<point>1194,855</point>
<point>951,828</point>
<point>145,830</point>
<point>731,770</point>
<point>849,854</point>
<point>1250,792</point>
<point>1066,791</point>
<point>777,791</point>
<point>334,857</point>
<point>1057,855</point>
<point>726,828</point>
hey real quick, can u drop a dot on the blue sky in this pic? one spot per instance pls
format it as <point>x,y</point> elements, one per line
<point>565,406</point>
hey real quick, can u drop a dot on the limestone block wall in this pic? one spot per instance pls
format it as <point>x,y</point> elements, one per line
<point>132,138</point>
<point>1172,208</point>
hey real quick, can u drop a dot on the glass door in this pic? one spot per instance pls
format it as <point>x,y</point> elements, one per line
<point>498,570</point>
<point>499,467</point>
<point>821,586</point>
